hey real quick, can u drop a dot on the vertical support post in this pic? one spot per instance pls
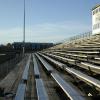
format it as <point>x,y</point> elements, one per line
<point>24,31</point>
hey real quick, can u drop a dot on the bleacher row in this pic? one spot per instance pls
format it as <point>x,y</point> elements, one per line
<point>40,89</point>
<point>76,73</point>
<point>68,90</point>
<point>41,92</point>
<point>79,59</point>
<point>82,58</point>
<point>20,94</point>
<point>80,43</point>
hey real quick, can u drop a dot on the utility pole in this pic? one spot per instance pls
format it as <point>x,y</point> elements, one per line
<point>24,31</point>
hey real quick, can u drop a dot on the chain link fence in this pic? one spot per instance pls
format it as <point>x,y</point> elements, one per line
<point>6,67</point>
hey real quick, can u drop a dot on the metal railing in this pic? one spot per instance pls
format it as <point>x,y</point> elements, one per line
<point>76,37</point>
<point>7,66</point>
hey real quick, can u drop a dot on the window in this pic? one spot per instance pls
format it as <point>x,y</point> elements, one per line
<point>96,10</point>
<point>99,25</point>
<point>96,26</point>
<point>93,12</point>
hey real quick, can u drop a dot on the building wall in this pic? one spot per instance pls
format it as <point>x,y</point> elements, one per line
<point>96,20</point>
<point>31,46</point>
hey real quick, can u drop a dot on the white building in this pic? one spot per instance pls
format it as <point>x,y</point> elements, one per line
<point>96,20</point>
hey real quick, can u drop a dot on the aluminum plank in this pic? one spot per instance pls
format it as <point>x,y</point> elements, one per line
<point>84,77</point>
<point>41,92</point>
<point>52,60</point>
<point>47,66</point>
<point>36,69</point>
<point>25,73</point>
<point>67,88</point>
<point>20,92</point>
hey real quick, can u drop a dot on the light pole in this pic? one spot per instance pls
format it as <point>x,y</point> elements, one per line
<point>24,31</point>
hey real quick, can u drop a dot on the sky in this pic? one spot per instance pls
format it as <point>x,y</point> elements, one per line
<point>46,20</point>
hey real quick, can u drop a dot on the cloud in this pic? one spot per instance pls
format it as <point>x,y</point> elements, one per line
<point>44,32</point>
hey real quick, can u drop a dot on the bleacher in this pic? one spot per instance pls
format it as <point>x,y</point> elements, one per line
<point>81,54</point>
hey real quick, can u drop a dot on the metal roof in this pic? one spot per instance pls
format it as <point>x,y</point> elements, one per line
<point>98,5</point>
